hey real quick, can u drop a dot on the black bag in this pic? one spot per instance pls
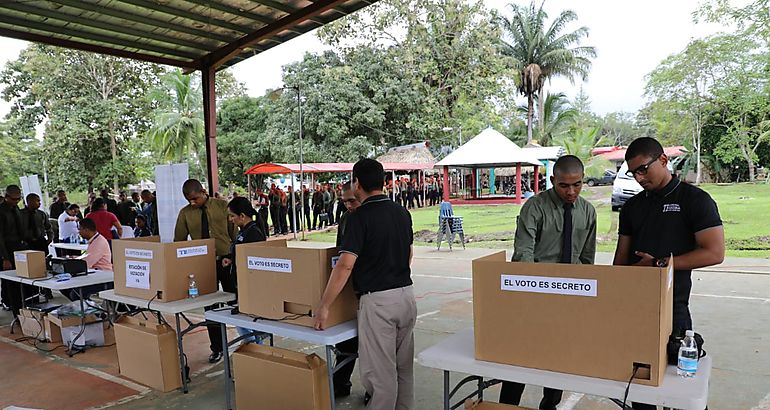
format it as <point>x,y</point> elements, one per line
<point>675,341</point>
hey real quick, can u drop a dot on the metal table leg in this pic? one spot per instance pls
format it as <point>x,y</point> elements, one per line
<point>228,374</point>
<point>71,351</point>
<point>181,354</point>
<point>330,368</point>
<point>446,390</point>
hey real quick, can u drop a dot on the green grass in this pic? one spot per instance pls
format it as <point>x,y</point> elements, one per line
<point>743,207</point>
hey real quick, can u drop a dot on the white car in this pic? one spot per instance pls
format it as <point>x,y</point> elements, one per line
<point>625,187</point>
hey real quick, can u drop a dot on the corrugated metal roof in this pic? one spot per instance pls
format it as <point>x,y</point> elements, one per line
<point>192,34</point>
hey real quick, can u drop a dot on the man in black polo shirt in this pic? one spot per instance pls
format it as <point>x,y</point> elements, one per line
<point>377,251</point>
<point>668,217</point>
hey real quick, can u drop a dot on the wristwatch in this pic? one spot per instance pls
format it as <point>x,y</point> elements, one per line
<point>659,262</point>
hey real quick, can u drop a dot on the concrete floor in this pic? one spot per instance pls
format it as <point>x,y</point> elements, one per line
<point>730,309</point>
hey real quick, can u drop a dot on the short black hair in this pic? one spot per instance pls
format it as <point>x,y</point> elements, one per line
<point>32,195</point>
<point>88,223</point>
<point>98,204</point>
<point>146,192</point>
<point>12,189</point>
<point>61,191</point>
<point>369,173</point>
<point>646,146</point>
<point>241,205</point>
<point>191,186</point>
<point>73,207</point>
<point>347,186</point>
<point>142,217</point>
<point>568,164</point>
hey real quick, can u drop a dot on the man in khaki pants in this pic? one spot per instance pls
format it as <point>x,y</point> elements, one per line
<point>377,251</point>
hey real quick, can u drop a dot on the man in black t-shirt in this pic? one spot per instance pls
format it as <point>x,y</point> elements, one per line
<point>377,252</point>
<point>669,217</point>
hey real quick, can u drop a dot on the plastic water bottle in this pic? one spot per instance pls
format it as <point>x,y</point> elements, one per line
<point>688,356</point>
<point>192,289</point>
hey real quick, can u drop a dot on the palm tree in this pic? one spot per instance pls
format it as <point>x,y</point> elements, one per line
<point>538,53</point>
<point>177,128</point>
<point>557,116</point>
<point>581,142</point>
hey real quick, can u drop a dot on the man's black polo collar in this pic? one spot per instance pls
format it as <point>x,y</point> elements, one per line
<point>667,190</point>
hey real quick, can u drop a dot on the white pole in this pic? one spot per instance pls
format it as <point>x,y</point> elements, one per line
<point>293,207</point>
<point>301,170</point>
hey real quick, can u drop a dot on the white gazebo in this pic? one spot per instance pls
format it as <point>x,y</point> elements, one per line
<point>489,149</point>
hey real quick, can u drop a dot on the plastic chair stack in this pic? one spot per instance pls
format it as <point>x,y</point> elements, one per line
<point>448,225</point>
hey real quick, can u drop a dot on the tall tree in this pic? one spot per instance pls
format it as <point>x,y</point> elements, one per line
<point>94,104</point>
<point>684,82</point>
<point>558,116</point>
<point>447,55</point>
<point>539,53</point>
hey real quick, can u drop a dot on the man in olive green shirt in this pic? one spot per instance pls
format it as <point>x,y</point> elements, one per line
<point>557,226</point>
<point>206,217</point>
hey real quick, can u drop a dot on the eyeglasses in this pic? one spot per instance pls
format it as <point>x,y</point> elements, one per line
<point>642,170</point>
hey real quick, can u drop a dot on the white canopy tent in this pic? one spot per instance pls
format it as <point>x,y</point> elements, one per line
<point>489,149</point>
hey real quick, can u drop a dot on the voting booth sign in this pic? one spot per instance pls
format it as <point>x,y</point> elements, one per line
<point>282,282</point>
<point>147,268</point>
<point>589,320</point>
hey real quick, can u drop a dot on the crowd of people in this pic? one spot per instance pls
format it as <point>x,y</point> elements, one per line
<point>323,206</point>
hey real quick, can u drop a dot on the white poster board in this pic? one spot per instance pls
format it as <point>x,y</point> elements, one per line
<point>168,185</point>
<point>30,184</point>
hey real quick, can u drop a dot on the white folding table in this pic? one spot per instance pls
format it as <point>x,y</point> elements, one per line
<point>77,283</point>
<point>456,354</point>
<point>327,337</point>
<point>176,308</point>
<point>71,246</point>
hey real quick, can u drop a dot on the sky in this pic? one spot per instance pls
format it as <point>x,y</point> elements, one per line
<point>631,38</point>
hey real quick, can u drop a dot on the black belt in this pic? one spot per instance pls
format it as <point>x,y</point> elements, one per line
<point>366,292</point>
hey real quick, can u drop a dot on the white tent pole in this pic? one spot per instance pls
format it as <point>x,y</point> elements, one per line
<point>293,207</point>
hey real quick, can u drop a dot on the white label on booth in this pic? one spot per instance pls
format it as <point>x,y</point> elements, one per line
<point>269,264</point>
<point>21,257</point>
<point>543,284</point>
<point>192,251</point>
<point>335,259</point>
<point>137,275</point>
<point>138,253</point>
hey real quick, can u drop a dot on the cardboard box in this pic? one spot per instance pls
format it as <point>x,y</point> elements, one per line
<point>65,329</point>
<point>486,405</point>
<point>33,324</point>
<point>279,378</point>
<point>283,282</point>
<point>589,320</point>
<point>30,264</point>
<point>148,353</point>
<point>146,268</point>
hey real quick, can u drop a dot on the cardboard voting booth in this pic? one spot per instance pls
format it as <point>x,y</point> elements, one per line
<point>148,353</point>
<point>146,268</point>
<point>282,282</point>
<point>590,320</point>
<point>30,264</point>
<point>486,405</point>
<point>271,377</point>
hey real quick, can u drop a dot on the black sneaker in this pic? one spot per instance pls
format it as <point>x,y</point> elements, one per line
<point>215,357</point>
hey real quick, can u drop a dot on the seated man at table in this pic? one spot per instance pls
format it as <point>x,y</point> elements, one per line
<point>98,256</point>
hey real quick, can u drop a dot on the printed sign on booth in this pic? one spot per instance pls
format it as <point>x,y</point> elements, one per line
<point>544,284</point>
<point>138,275</point>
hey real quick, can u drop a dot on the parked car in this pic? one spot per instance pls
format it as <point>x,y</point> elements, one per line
<point>607,179</point>
<point>625,187</point>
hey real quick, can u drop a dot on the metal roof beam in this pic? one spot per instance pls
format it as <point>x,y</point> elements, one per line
<point>232,10</point>
<point>26,8</point>
<point>94,37</point>
<point>138,18</point>
<point>280,7</point>
<point>188,15</point>
<point>59,42</point>
<point>221,56</point>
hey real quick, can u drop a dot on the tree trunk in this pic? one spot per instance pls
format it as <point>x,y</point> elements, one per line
<point>530,109</point>
<point>114,151</point>
<point>541,113</point>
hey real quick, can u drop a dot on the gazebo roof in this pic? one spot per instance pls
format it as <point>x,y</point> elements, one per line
<point>489,149</point>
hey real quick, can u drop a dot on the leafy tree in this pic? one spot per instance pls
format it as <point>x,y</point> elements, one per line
<point>580,142</point>
<point>442,58</point>
<point>558,116</point>
<point>539,53</point>
<point>94,104</point>
<point>242,140</point>
<point>684,82</point>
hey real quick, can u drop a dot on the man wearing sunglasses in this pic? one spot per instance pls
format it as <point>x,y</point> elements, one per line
<point>669,217</point>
